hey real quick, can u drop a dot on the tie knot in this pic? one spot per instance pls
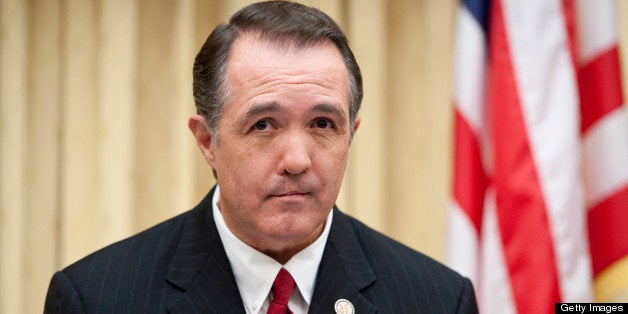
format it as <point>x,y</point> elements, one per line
<point>282,287</point>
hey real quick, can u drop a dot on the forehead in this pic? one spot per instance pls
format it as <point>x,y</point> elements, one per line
<point>259,60</point>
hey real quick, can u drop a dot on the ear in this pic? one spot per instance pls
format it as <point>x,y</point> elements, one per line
<point>196,123</point>
<point>356,124</point>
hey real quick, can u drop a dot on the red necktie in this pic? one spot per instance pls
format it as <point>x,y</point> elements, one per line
<point>282,289</point>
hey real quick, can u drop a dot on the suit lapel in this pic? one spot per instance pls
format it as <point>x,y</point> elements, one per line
<point>344,271</point>
<point>200,268</point>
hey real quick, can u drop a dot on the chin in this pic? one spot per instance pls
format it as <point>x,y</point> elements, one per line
<point>290,230</point>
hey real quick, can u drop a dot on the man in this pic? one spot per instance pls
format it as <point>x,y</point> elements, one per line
<point>277,92</point>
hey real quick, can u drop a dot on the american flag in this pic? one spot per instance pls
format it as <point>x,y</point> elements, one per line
<point>540,190</point>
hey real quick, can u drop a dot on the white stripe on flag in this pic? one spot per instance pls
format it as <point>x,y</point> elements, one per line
<point>462,248</point>
<point>597,28</point>
<point>469,81</point>
<point>494,291</point>
<point>607,153</point>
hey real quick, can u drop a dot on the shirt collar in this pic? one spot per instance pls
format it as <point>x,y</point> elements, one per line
<point>255,272</point>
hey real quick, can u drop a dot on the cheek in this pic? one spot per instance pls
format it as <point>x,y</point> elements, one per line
<point>246,165</point>
<point>332,162</point>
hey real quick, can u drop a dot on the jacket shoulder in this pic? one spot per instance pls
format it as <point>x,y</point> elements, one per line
<point>130,272</point>
<point>380,246</point>
<point>159,238</point>
<point>412,275</point>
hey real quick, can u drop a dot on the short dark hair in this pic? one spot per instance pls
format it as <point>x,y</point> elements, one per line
<point>277,21</point>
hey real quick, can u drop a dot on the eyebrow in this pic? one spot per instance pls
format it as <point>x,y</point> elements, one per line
<point>265,108</point>
<point>274,107</point>
<point>328,108</point>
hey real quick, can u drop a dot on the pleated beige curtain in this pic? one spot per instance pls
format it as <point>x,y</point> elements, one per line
<point>94,99</point>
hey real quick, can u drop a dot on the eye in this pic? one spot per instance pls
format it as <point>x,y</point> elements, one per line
<point>323,123</point>
<point>262,125</point>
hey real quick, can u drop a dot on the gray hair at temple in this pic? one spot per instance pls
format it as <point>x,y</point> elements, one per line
<point>280,22</point>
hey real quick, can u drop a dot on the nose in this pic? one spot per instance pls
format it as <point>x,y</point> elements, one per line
<point>296,156</point>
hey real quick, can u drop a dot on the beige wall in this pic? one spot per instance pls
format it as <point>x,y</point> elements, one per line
<point>94,97</point>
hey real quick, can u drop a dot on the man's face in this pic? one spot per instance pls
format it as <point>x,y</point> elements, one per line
<point>283,142</point>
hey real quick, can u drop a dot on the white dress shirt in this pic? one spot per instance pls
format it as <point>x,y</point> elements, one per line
<point>255,272</point>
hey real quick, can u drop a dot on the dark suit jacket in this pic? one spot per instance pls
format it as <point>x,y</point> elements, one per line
<point>181,266</point>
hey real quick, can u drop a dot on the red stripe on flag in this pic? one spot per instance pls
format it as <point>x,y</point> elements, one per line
<point>599,83</point>
<point>608,230</point>
<point>469,179</point>
<point>569,15</point>
<point>521,211</point>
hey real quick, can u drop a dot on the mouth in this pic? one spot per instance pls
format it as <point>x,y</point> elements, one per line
<point>290,195</point>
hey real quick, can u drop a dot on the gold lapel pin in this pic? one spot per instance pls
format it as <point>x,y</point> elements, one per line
<point>343,306</point>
